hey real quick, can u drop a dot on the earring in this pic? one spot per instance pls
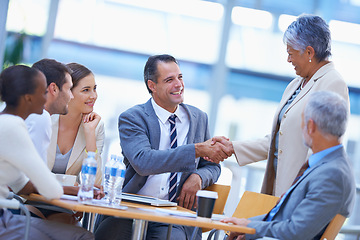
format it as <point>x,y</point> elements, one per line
<point>309,59</point>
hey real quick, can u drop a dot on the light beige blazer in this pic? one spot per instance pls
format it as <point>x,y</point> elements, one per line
<point>292,151</point>
<point>78,152</point>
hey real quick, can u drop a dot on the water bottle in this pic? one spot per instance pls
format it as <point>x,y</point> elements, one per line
<point>117,173</point>
<point>87,176</point>
<point>120,178</point>
<point>112,182</point>
<point>109,164</point>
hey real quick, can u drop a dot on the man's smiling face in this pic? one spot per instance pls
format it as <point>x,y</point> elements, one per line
<point>168,92</point>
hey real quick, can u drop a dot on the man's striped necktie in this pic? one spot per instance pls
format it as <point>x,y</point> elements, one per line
<point>173,144</point>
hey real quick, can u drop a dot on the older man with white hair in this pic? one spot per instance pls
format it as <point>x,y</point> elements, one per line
<point>325,186</point>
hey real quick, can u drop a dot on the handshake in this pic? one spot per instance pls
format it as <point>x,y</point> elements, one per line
<point>216,149</point>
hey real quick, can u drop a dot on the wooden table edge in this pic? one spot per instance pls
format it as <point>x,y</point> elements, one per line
<point>143,212</point>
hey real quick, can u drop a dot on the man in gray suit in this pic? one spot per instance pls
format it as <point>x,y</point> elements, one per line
<point>155,156</point>
<point>326,188</point>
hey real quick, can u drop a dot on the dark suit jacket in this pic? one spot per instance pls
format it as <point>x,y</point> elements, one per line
<point>327,189</point>
<point>139,139</point>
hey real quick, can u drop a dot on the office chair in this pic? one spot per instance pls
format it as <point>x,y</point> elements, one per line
<point>14,202</point>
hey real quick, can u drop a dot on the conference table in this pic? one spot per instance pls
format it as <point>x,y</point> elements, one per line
<point>142,213</point>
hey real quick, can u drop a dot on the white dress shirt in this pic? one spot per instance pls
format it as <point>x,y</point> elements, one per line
<point>158,185</point>
<point>39,127</point>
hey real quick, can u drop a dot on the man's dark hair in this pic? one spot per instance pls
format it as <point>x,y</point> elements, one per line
<point>53,70</point>
<point>151,70</point>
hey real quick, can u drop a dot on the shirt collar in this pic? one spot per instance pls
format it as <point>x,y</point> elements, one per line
<point>316,157</point>
<point>164,115</point>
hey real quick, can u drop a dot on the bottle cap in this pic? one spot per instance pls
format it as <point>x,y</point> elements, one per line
<point>91,154</point>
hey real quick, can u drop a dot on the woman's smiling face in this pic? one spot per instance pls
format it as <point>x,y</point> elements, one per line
<point>85,95</point>
<point>299,60</point>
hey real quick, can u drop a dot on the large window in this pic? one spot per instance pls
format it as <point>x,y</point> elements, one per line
<point>27,16</point>
<point>187,29</point>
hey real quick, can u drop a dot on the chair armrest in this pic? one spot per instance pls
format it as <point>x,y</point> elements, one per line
<point>12,204</point>
<point>213,232</point>
<point>11,195</point>
<point>350,229</point>
<point>16,204</point>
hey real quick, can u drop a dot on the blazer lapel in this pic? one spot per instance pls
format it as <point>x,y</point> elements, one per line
<point>318,75</point>
<point>302,93</point>
<point>327,158</point>
<point>298,182</point>
<point>190,140</point>
<point>153,125</point>
<point>78,147</point>
<point>51,153</point>
<point>193,120</point>
<point>285,98</point>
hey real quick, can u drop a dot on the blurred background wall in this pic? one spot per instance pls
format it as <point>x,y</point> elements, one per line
<point>231,54</point>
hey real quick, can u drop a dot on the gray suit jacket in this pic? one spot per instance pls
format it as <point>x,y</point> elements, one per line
<point>139,139</point>
<point>327,189</point>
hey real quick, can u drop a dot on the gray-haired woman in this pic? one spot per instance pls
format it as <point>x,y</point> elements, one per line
<point>308,45</point>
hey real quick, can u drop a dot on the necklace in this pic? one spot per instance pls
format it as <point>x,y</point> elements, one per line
<point>302,84</point>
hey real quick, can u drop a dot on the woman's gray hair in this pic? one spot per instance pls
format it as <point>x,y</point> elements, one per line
<point>309,30</point>
<point>329,111</point>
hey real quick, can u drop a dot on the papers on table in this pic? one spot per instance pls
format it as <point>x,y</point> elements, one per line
<point>218,217</point>
<point>175,212</point>
<point>95,202</point>
<point>153,201</point>
<point>214,217</point>
<point>102,203</point>
<point>69,197</point>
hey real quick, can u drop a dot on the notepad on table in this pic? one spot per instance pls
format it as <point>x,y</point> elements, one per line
<point>153,201</point>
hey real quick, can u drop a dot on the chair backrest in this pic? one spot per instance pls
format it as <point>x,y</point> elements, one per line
<point>253,204</point>
<point>264,203</point>
<point>223,193</point>
<point>333,228</point>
